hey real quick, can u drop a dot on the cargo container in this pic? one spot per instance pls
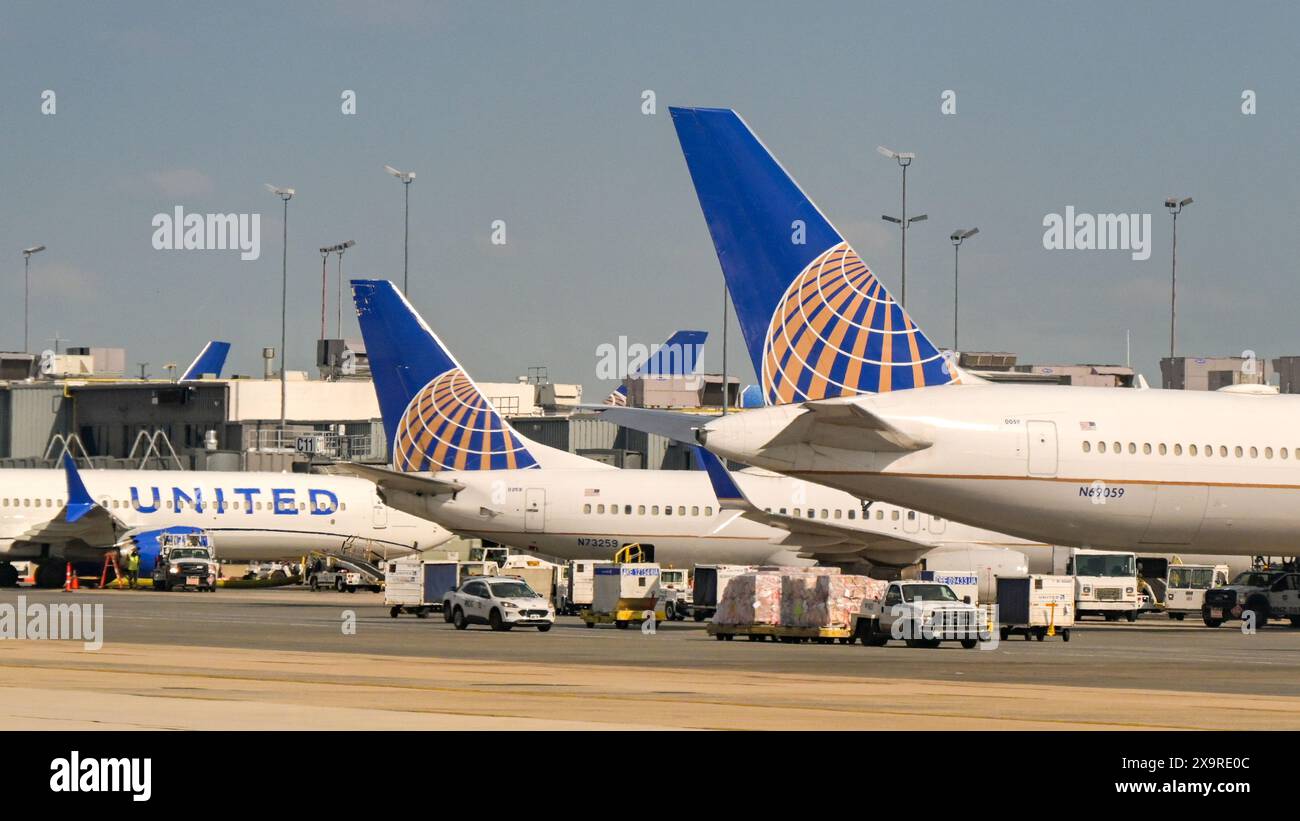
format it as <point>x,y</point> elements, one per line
<point>710,584</point>
<point>1036,606</point>
<point>578,591</point>
<point>416,585</point>
<point>623,594</point>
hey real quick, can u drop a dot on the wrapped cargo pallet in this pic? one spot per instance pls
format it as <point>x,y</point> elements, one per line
<point>795,598</point>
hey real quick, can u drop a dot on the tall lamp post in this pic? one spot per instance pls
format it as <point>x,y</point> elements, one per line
<point>27,288</point>
<point>338,320</point>
<point>285,194</point>
<point>957,238</point>
<point>325,252</point>
<point>406,177</point>
<point>904,159</point>
<point>1175,207</point>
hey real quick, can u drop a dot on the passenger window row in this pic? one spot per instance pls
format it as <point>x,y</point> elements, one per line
<point>642,510</point>
<point>1222,451</point>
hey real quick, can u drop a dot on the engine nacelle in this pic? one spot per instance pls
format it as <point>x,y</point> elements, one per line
<point>147,543</point>
<point>986,562</point>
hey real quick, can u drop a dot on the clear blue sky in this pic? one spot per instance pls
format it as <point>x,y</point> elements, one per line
<point>530,113</point>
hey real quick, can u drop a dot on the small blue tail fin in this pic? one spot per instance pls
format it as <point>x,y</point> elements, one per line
<point>816,321</point>
<point>679,356</point>
<point>79,501</point>
<point>730,496</point>
<point>209,361</point>
<point>435,416</point>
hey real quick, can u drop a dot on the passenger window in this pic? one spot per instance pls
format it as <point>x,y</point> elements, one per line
<point>1132,448</point>
<point>695,510</point>
<point>911,515</point>
<point>1119,448</point>
<point>1254,453</point>
<point>654,510</point>
<point>880,514</point>
<point>1146,448</point>
<point>1282,453</point>
<point>668,510</point>
<point>1087,446</point>
<point>681,510</point>
<point>837,513</point>
<point>1191,450</point>
<point>1178,450</point>
<point>600,509</point>
<point>893,514</point>
<point>640,510</point>
<point>627,510</point>
<point>782,511</point>
<point>1101,447</point>
<point>1163,449</point>
<point>586,508</point>
<point>1268,453</point>
<point>708,510</point>
<point>853,514</point>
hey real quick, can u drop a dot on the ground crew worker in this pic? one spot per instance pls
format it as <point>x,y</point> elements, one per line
<point>133,568</point>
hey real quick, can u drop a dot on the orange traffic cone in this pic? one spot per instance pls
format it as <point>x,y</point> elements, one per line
<point>70,579</point>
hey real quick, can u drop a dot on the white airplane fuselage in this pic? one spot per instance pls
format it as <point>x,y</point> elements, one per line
<point>590,514</point>
<point>252,516</point>
<point>1150,470</point>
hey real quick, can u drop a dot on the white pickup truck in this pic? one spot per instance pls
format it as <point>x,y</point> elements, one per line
<point>922,614</point>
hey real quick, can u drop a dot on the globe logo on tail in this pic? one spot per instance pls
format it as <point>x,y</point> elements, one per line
<point>837,332</point>
<point>449,425</point>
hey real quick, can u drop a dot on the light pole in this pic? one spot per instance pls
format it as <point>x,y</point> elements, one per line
<point>957,238</point>
<point>285,194</point>
<point>27,287</point>
<point>1175,207</point>
<point>325,252</point>
<point>904,159</point>
<point>405,177</point>
<point>338,321</point>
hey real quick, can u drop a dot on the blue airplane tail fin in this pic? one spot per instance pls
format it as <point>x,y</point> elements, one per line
<point>209,361</point>
<point>816,321</point>
<point>434,415</point>
<point>679,356</point>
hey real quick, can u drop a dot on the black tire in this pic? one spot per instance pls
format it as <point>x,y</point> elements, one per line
<point>874,636</point>
<point>927,644</point>
<point>1065,635</point>
<point>422,613</point>
<point>1132,616</point>
<point>717,636</point>
<point>1209,622</point>
<point>1004,633</point>
<point>1111,616</point>
<point>458,619</point>
<point>392,614</point>
<point>670,611</point>
<point>622,625</point>
<point>314,584</point>
<point>1180,616</point>
<point>8,575</point>
<point>1259,606</point>
<point>339,585</point>
<point>352,589</point>
<point>543,628</point>
<point>446,613</point>
<point>1040,635</point>
<point>496,622</point>
<point>969,644</point>
<point>698,616</point>
<point>590,624</point>
<point>1295,621</point>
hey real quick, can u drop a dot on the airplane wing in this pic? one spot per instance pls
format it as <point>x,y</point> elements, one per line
<point>389,479</point>
<point>80,520</point>
<point>846,424</point>
<point>674,425</point>
<point>826,541</point>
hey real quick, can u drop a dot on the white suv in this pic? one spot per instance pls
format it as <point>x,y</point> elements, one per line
<point>501,602</point>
